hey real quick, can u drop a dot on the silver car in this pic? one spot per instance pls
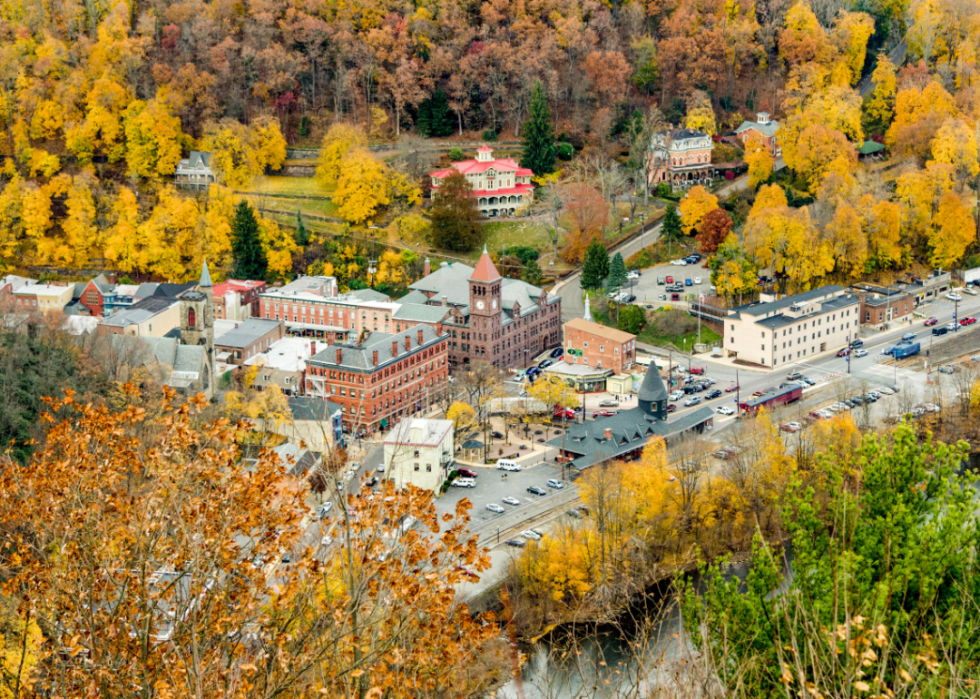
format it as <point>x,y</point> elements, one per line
<point>494,507</point>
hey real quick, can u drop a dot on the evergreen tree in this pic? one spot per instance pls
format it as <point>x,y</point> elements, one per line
<point>434,117</point>
<point>539,135</point>
<point>532,273</point>
<point>596,265</point>
<point>632,319</point>
<point>302,235</point>
<point>617,271</point>
<point>246,246</point>
<point>670,229</point>
<point>455,215</point>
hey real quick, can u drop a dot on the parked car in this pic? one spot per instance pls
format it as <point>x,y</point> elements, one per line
<point>953,326</point>
<point>510,500</point>
<point>508,465</point>
<point>670,279</point>
<point>467,473</point>
<point>536,490</point>
<point>861,353</point>
<point>693,400</point>
<point>325,509</point>
<point>940,331</point>
<point>660,281</point>
<point>555,483</point>
<point>857,343</point>
<point>697,369</point>
<point>464,483</point>
<point>545,364</point>
<point>675,297</point>
<point>530,534</point>
<point>676,395</point>
<point>908,336</point>
<point>517,543</point>
<point>629,299</point>
<point>609,404</point>
<point>954,297</point>
<point>844,352</point>
<point>603,413</point>
<point>494,507</point>
<point>724,410</point>
<point>671,407</point>
<point>787,427</point>
<point>713,394</point>
<point>633,275</point>
<point>969,320</point>
<point>697,280</point>
<point>732,388</point>
<point>794,376</point>
<point>948,369</point>
<point>931,321</point>
<point>557,352</point>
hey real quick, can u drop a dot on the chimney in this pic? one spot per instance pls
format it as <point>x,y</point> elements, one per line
<point>607,433</point>
<point>340,356</point>
<point>375,357</point>
<point>439,329</point>
<point>394,348</point>
<point>312,347</point>
<point>445,301</point>
<point>420,338</point>
<point>427,268</point>
<point>112,277</point>
<point>408,343</point>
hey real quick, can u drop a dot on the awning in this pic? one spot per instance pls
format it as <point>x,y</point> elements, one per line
<point>384,423</point>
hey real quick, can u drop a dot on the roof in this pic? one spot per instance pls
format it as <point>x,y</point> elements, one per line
<point>420,313</point>
<point>102,284</point>
<point>139,311</point>
<point>205,275</point>
<point>653,388</point>
<point>288,354</point>
<point>43,289</point>
<point>764,308</point>
<point>869,147</point>
<point>767,129</point>
<point>414,296</point>
<point>247,333</point>
<point>599,330</point>
<point>420,432</point>
<point>445,277</point>
<point>302,459</point>
<point>311,288</point>
<point>685,134</point>
<point>16,282</point>
<point>771,393</point>
<point>77,325</point>
<point>187,359</point>
<point>172,290</point>
<point>362,356</point>
<point>311,408</point>
<point>235,285</point>
<point>475,167</point>
<point>631,429</point>
<point>485,270</point>
<point>365,295</point>
<point>578,369</point>
<point>146,289</point>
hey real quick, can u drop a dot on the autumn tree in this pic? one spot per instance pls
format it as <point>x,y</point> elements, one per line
<point>952,231</point>
<point>700,113</point>
<point>759,159</point>
<point>695,206</point>
<point>732,273</point>
<point>956,144</point>
<point>539,136</point>
<point>248,258</point>
<point>819,151</point>
<point>154,139</point>
<point>239,154</point>
<point>339,139</point>
<point>881,107</point>
<point>455,215</point>
<point>363,186</point>
<point>713,230</point>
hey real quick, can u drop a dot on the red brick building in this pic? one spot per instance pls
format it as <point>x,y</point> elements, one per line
<point>883,304</point>
<point>601,347</point>
<point>247,291</point>
<point>94,293</point>
<point>384,378</point>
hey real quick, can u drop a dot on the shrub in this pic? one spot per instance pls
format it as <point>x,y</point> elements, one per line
<point>490,136</point>
<point>456,154</point>
<point>632,319</point>
<point>565,151</point>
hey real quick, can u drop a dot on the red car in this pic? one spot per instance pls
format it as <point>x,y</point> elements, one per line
<point>467,473</point>
<point>731,389</point>
<point>931,321</point>
<point>697,369</point>
<point>603,413</point>
<point>969,320</point>
<point>844,352</point>
<point>671,408</point>
<point>670,280</point>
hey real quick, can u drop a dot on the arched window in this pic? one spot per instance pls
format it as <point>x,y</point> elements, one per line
<point>191,318</point>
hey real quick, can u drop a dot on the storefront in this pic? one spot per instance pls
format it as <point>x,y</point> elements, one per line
<point>583,378</point>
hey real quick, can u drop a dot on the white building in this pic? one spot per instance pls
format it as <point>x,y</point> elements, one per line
<point>795,328</point>
<point>419,451</point>
<point>284,364</point>
<point>500,185</point>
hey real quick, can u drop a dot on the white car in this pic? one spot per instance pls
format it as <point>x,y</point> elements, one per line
<point>724,410</point>
<point>464,483</point>
<point>861,353</point>
<point>528,534</point>
<point>494,507</point>
<point>825,413</point>
<point>633,275</point>
<point>954,297</point>
<point>697,280</point>
<point>678,263</point>
<point>508,466</point>
<point>676,395</point>
<point>953,327</point>
<point>511,500</point>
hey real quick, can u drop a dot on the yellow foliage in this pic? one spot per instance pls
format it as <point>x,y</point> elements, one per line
<point>47,120</point>
<point>278,245</point>
<point>43,164</point>
<point>851,33</point>
<point>232,155</point>
<point>819,151</point>
<point>153,139</point>
<point>695,206</point>
<point>20,642</point>
<point>956,144</point>
<point>463,416</point>
<point>269,143</point>
<point>390,268</point>
<point>363,186</point>
<point>953,230</point>
<point>759,159</point>
<point>411,228</point>
<point>881,107</point>
<point>125,246</point>
<point>918,114</point>
<point>215,242</point>
<point>849,242</point>
<point>340,139</point>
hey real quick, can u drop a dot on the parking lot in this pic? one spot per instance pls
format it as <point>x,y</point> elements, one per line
<point>648,292</point>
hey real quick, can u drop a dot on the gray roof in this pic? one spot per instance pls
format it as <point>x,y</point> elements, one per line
<point>303,459</point>
<point>17,282</point>
<point>173,290</point>
<point>311,408</point>
<point>145,289</point>
<point>75,308</point>
<point>768,129</point>
<point>652,388</point>
<point>365,295</point>
<point>631,430</point>
<point>103,285</point>
<point>760,309</point>
<point>139,311</point>
<point>77,289</point>
<point>248,333</point>
<point>414,296</point>
<point>421,314</point>
<point>443,279</point>
<point>205,276</point>
<point>362,356</point>
<point>684,134</point>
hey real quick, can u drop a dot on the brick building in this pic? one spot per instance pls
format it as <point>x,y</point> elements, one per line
<point>383,379</point>
<point>600,346</point>
<point>504,322</point>
<point>763,127</point>
<point>881,305</point>
<point>681,158</point>
<point>94,295</point>
<point>248,339</point>
<point>237,299</point>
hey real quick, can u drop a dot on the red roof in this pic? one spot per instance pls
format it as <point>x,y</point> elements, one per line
<point>235,285</point>
<point>485,270</point>
<point>519,189</point>
<point>473,167</point>
<point>485,149</point>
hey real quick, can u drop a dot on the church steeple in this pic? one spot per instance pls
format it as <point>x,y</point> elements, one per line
<point>205,276</point>
<point>197,322</point>
<point>588,311</point>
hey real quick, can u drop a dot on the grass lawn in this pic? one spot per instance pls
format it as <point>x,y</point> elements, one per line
<point>317,207</point>
<point>685,341</point>
<point>498,234</point>
<point>278,184</point>
<point>664,328</point>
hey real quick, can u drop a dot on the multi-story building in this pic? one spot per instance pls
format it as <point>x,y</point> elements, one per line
<point>681,158</point>
<point>307,307</point>
<point>43,298</point>
<point>598,346</point>
<point>10,283</point>
<point>237,299</point>
<point>504,322</point>
<point>383,378</point>
<point>248,339</point>
<point>501,187</point>
<point>155,316</point>
<point>195,171</point>
<point>773,332</point>
<point>881,305</point>
<point>420,452</point>
<point>284,364</point>
<point>763,128</point>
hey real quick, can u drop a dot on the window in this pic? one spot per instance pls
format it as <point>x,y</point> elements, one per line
<point>416,467</point>
<point>288,379</point>
<point>416,453</point>
<point>602,348</point>
<point>428,468</point>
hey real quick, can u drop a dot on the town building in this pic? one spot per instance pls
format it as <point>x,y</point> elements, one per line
<point>195,171</point>
<point>284,364</point>
<point>598,346</point>
<point>43,297</point>
<point>152,317</point>
<point>773,332</point>
<point>94,294</point>
<point>931,288</point>
<point>625,434</point>
<point>504,322</point>
<point>383,378</point>
<point>247,340</point>
<point>10,283</point>
<point>314,422</point>
<point>419,452</point>
<point>307,305</point>
<point>197,324</point>
<point>237,299</point>
<point>581,377</point>
<point>880,305</point>
<point>764,128</point>
<point>501,186</point>
<point>681,158</point>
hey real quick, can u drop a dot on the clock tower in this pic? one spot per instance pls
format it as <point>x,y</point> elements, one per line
<point>485,312</point>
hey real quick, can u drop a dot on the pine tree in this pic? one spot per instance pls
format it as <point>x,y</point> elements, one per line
<point>302,235</point>
<point>455,215</point>
<point>671,228</point>
<point>539,135</point>
<point>532,273</point>
<point>617,271</point>
<point>596,265</point>
<point>246,247</point>
<point>434,118</point>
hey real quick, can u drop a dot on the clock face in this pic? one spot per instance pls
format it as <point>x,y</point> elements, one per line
<point>479,304</point>
<point>494,303</point>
